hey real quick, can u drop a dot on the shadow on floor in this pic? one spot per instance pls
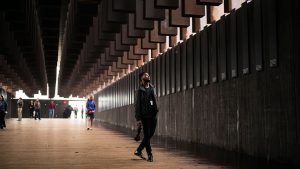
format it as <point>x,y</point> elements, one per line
<point>205,154</point>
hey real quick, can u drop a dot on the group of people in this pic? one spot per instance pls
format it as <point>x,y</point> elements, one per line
<point>34,109</point>
<point>35,106</point>
<point>145,113</point>
<point>75,109</point>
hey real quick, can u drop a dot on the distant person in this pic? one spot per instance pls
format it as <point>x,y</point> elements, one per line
<point>90,112</point>
<point>82,110</point>
<point>145,113</point>
<point>3,112</point>
<point>75,111</point>
<point>51,108</point>
<point>31,109</point>
<point>67,111</point>
<point>37,107</point>
<point>20,107</point>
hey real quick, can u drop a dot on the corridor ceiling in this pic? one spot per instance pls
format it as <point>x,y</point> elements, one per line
<point>95,40</point>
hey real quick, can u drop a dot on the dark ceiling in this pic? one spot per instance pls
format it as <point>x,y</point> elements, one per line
<point>32,26</point>
<point>98,39</point>
<point>49,17</point>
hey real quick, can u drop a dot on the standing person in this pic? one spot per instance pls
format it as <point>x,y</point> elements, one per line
<point>51,107</point>
<point>37,107</point>
<point>3,112</point>
<point>31,109</point>
<point>145,113</point>
<point>90,107</point>
<point>75,111</point>
<point>20,107</point>
<point>82,112</point>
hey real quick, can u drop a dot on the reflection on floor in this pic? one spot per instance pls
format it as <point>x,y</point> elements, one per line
<point>65,143</point>
<point>204,154</point>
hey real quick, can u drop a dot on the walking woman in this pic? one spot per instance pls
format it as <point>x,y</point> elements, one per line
<point>3,112</point>
<point>145,113</point>
<point>90,107</point>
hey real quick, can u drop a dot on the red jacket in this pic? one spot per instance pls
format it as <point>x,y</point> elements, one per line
<point>52,106</point>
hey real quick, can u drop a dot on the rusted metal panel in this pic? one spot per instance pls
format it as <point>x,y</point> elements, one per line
<point>151,12</point>
<point>192,9</point>
<point>204,56</point>
<point>146,44</point>
<point>164,28</point>
<point>190,61</point>
<point>269,31</point>
<point>197,60</point>
<point>132,31</point>
<point>183,66</point>
<point>138,48</point>
<point>178,68</point>
<point>141,23</point>
<point>231,44</point>
<point>209,2</point>
<point>125,6</point>
<point>221,46</point>
<point>168,71</point>
<point>242,40</point>
<point>169,4</point>
<point>125,39</point>
<point>177,19</point>
<point>154,35</point>
<point>212,53</point>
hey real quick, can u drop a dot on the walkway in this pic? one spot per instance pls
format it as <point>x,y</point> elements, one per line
<point>66,144</point>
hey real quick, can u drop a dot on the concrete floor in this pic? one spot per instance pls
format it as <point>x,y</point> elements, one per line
<point>65,143</point>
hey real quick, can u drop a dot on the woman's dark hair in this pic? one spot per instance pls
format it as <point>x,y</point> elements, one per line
<point>2,98</point>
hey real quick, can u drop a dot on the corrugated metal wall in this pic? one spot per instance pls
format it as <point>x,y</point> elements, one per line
<point>234,85</point>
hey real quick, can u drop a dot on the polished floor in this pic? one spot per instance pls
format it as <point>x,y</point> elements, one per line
<point>65,143</point>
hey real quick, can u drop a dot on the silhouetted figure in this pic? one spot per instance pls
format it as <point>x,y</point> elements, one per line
<point>145,113</point>
<point>82,110</point>
<point>20,108</point>
<point>51,108</point>
<point>3,112</point>
<point>37,107</point>
<point>31,109</point>
<point>75,111</point>
<point>67,111</point>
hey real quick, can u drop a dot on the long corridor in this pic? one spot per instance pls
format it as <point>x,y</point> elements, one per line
<point>65,143</point>
<point>218,79</point>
